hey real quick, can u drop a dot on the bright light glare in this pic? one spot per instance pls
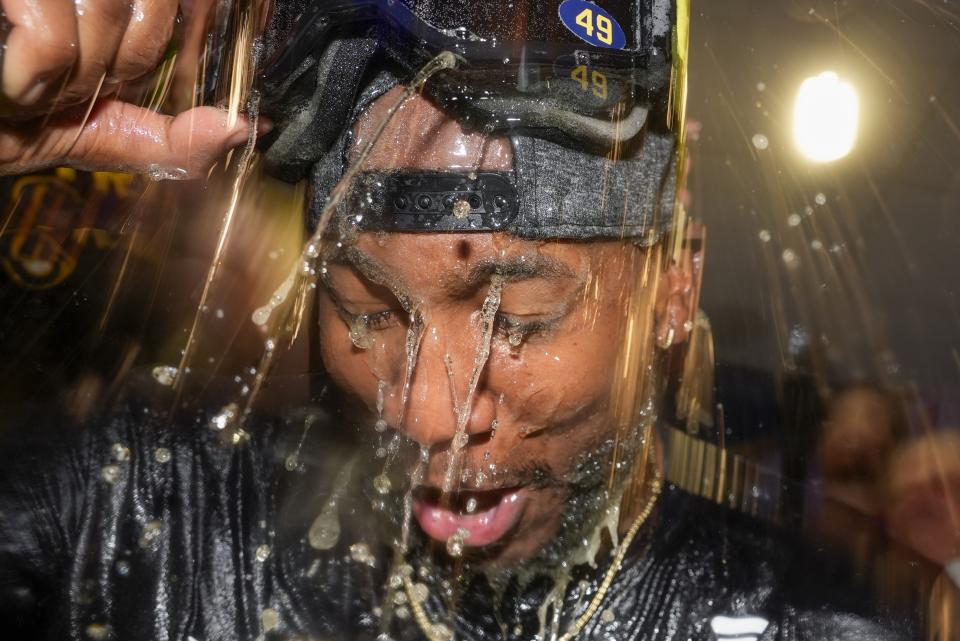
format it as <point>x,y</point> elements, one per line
<point>825,117</point>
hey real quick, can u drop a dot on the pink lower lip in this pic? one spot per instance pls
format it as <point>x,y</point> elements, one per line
<point>484,527</point>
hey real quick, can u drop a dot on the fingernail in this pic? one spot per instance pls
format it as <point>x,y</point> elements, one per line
<point>264,125</point>
<point>239,137</point>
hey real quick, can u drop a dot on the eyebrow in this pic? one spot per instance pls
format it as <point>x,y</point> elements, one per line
<point>522,267</point>
<point>510,269</point>
<point>377,273</point>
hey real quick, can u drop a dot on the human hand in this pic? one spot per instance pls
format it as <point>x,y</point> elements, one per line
<point>64,60</point>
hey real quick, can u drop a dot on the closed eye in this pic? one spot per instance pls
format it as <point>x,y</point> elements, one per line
<point>507,325</point>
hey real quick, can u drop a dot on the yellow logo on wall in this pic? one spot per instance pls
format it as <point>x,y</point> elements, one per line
<point>50,219</point>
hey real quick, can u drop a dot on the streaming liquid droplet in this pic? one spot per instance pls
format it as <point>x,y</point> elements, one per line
<point>441,632</point>
<point>150,537</point>
<point>292,462</point>
<point>382,484</point>
<point>455,542</point>
<point>269,619</point>
<point>110,473</point>
<point>225,417</point>
<point>119,452</point>
<point>359,334</point>
<point>515,338</point>
<point>486,317</point>
<point>261,315</point>
<point>325,530</point>
<point>162,455</point>
<point>419,593</point>
<point>360,552</point>
<point>98,631</point>
<point>262,553</point>
<point>607,616</point>
<point>471,505</point>
<point>380,425</point>
<point>461,209</point>
<point>165,374</point>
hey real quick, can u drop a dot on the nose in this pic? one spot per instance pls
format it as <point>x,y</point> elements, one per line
<point>430,417</point>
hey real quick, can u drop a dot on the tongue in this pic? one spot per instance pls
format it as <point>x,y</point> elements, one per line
<point>483,526</point>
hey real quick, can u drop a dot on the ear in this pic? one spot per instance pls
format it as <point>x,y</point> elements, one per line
<point>678,293</point>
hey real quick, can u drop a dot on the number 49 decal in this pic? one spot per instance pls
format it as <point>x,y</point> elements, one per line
<point>592,24</point>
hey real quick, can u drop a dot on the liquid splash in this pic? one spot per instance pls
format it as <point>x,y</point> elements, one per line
<point>488,312</point>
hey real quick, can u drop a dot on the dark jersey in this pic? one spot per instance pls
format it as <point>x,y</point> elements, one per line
<point>134,529</point>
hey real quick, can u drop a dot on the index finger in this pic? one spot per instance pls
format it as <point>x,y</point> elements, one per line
<point>125,137</point>
<point>41,46</point>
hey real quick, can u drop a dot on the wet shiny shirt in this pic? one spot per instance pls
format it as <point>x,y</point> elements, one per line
<point>133,529</point>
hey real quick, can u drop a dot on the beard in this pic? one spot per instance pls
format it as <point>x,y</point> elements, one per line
<point>591,489</point>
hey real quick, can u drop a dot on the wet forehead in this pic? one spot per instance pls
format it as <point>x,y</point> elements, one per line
<point>456,263</point>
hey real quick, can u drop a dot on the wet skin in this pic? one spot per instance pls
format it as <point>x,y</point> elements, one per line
<point>549,396</point>
<point>543,401</point>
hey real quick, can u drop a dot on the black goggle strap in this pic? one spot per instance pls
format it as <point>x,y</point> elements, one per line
<point>432,201</point>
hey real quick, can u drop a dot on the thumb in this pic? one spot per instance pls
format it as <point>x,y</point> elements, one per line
<point>121,136</point>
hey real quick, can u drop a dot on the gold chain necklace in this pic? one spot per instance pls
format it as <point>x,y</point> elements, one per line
<point>440,632</point>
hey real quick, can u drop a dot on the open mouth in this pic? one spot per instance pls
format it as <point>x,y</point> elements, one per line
<point>485,516</point>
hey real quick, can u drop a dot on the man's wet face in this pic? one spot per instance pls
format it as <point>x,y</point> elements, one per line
<point>403,330</point>
<point>540,412</point>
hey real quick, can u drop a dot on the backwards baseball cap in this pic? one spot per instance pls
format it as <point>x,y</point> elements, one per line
<point>590,95</point>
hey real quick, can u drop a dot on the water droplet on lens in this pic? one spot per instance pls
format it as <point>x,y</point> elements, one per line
<point>161,455</point>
